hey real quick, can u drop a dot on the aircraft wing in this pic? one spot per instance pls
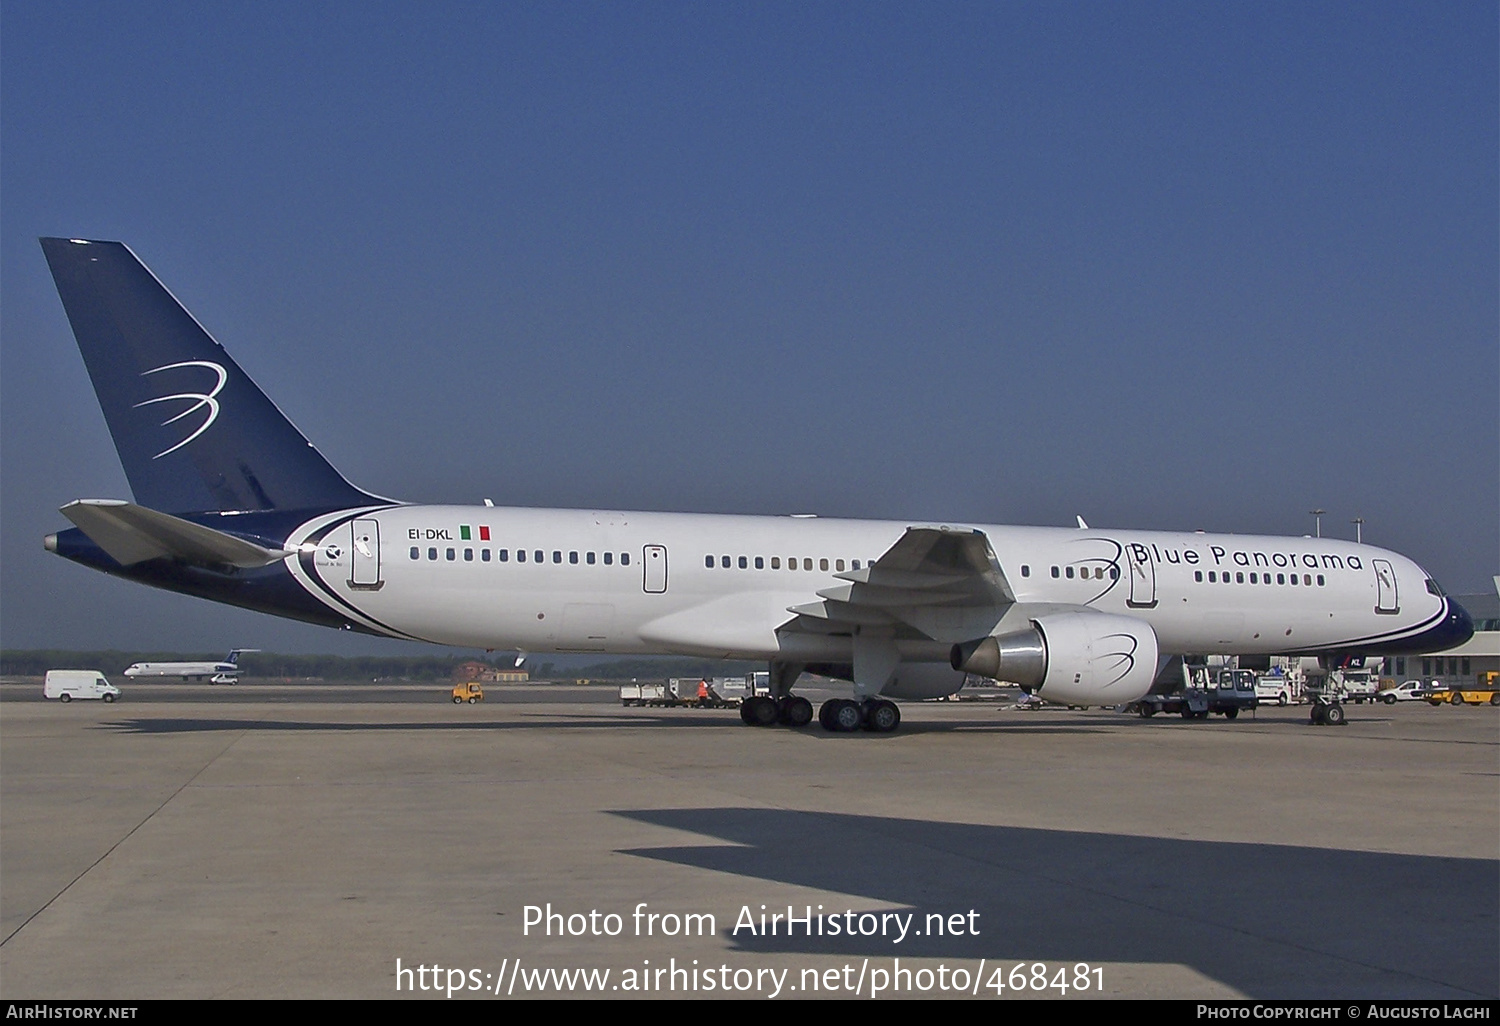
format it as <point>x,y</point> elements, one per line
<point>133,534</point>
<point>938,583</point>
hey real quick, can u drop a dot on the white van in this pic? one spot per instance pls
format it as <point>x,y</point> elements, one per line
<point>70,684</point>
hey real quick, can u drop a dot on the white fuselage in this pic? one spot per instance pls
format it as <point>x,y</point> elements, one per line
<point>580,581</point>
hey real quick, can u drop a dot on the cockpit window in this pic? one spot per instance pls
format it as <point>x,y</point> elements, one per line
<point>1433,588</point>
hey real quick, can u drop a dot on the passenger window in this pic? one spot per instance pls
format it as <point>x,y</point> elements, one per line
<point>1320,580</point>
<point>416,553</point>
<point>855,564</point>
<point>624,559</point>
<point>708,561</point>
<point>1239,578</point>
<point>432,553</point>
<point>468,555</point>
<point>775,562</point>
<point>451,555</point>
<point>504,555</point>
<point>839,566</point>
<point>573,558</point>
<point>1213,578</point>
<point>744,563</point>
<point>806,563</point>
<point>520,555</point>
<point>484,555</point>
<point>1114,573</point>
<point>1025,570</point>
<point>724,562</point>
<point>1056,572</point>
<point>1198,576</point>
<point>556,556</point>
<point>1068,573</point>
<point>589,558</point>
<point>791,563</point>
<point>609,558</point>
<point>760,562</point>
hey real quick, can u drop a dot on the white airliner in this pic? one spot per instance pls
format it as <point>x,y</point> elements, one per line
<point>233,504</point>
<point>226,672</point>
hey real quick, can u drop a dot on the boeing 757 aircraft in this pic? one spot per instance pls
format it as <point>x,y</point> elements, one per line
<point>226,672</point>
<point>233,504</point>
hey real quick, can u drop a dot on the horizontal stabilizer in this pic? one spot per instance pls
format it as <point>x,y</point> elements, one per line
<point>133,534</point>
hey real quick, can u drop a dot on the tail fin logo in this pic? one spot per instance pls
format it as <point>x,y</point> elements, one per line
<point>200,400</point>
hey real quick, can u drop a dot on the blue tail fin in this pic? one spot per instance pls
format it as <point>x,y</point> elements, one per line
<point>194,433</point>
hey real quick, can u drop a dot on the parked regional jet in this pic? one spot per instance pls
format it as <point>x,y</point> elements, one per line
<point>226,672</point>
<point>233,504</point>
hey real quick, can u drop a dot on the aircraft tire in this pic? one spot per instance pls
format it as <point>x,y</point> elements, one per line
<point>795,711</point>
<point>882,716</point>
<point>1334,717</point>
<point>1319,713</point>
<point>759,711</point>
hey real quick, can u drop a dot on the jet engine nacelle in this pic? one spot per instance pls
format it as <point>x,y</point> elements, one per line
<point>1082,658</point>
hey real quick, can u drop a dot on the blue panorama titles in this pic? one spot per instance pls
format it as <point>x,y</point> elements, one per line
<point>765,923</point>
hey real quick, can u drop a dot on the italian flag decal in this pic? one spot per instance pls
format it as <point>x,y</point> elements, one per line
<point>464,532</point>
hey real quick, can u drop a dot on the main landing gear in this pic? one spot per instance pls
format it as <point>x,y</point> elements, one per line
<point>841,715</point>
<point>838,715</point>
<point>763,711</point>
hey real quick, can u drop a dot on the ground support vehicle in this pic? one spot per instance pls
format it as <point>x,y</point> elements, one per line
<point>1204,691</point>
<point>469,692</point>
<point>1464,696</point>
<point>1406,691</point>
<point>682,692</point>
<point>1277,689</point>
<point>66,685</point>
<point>1357,685</point>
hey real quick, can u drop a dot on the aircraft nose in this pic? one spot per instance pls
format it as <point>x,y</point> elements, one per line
<point>1457,627</point>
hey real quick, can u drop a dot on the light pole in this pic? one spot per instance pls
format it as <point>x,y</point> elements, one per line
<point>1318,521</point>
<point>1359,524</point>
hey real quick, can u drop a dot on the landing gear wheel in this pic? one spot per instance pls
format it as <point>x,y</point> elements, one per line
<point>840,716</point>
<point>1334,716</point>
<point>882,717</point>
<point>794,711</point>
<point>759,711</point>
<point>1319,713</point>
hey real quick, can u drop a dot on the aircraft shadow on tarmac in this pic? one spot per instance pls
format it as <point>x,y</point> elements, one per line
<point>465,720</point>
<point>1351,923</point>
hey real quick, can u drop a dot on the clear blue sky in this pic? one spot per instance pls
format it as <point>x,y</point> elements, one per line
<point>1172,266</point>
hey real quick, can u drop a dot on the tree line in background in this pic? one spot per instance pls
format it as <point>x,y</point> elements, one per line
<point>34,663</point>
